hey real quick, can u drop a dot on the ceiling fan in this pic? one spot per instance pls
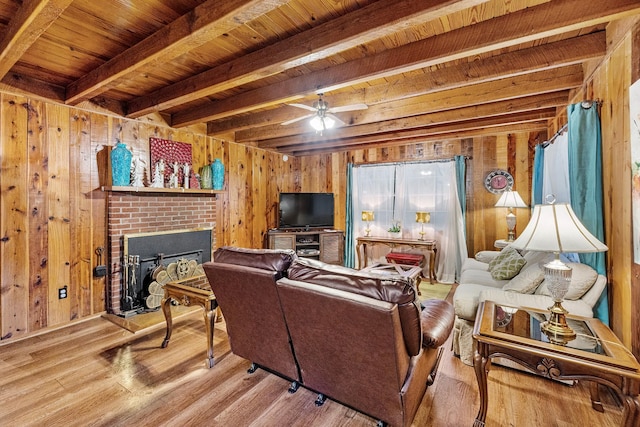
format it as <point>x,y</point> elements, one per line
<point>323,117</point>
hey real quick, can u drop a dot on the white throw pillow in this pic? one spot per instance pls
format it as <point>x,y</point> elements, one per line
<point>582,279</point>
<point>527,281</point>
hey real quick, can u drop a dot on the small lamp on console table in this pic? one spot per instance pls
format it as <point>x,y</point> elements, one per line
<point>422,218</point>
<point>556,228</point>
<point>367,216</point>
<point>510,200</point>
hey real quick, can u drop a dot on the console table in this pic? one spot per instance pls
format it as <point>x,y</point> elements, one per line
<point>429,246</point>
<point>596,355</point>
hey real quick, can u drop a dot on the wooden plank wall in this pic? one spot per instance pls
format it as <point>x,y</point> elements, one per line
<point>609,82</point>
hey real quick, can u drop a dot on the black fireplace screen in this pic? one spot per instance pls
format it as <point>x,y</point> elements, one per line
<point>146,253</point>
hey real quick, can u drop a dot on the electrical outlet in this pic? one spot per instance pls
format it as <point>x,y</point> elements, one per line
<point>62,292</point>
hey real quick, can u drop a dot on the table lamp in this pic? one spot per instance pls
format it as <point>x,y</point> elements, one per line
<point>422,218</point>
<point>510,200</point>
<point>367,216</point>
<point>556,228</point>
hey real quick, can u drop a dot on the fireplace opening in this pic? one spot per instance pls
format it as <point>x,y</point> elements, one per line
<point>152,259</point>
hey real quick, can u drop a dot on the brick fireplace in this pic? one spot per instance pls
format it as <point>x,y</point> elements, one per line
<point>146,212</point>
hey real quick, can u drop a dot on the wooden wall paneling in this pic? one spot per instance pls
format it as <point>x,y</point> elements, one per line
<point>14,243</point>
<point>522,159</point>
<point>198,151</point>
<point>489,226</point>
<point>59,213</point>
<point>37,151</point>
<point>339,188</point>
<point>99,137</point>
<point>218,149</point>
<point>635,268</point>
<point>611,83</point>
<point>237,197</point>
<point>80,156</point>
<point>256,205</point>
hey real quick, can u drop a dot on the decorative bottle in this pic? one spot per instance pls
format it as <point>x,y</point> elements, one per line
<point>217,169</point>
<point>205,177</point>
<point>120,165</point>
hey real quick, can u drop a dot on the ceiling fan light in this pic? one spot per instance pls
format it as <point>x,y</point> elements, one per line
<point>316,123</point>
<point>322,123</point>
<point>329,122</point>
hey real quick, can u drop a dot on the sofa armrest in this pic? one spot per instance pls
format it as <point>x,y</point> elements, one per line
<point>437,319</point>
<point>486,256</point>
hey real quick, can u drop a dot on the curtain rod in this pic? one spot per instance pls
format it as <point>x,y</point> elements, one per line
<point>555,135</point>
<point>584,104</point>
<point>451,159</point>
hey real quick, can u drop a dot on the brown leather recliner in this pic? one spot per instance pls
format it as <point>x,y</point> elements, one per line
<point>362,339</point>
<point>244,283</point>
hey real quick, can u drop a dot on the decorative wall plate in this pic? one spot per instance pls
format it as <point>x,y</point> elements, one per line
<point>498,181</point>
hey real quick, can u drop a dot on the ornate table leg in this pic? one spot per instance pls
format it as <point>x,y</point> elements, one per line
<point>595,396</point>
<point>481,365</point>
<point>631,412</point>
<point>210,314</point>
<point>432,263</point>
<point>166,309</point>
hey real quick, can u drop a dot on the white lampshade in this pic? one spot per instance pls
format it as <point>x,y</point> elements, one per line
<point>556,228</point>
<point>510,199</point>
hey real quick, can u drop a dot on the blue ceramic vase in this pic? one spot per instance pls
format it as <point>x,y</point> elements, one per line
<point>120,165</point>
<point>217,170</point>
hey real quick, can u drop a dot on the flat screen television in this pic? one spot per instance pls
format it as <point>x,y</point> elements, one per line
<point>306,210</point>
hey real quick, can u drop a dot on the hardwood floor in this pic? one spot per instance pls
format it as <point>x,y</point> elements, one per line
<point>99,374</point>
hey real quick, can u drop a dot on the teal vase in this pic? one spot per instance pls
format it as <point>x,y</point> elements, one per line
<point>217,169</point>
<point>120,165</point>
<point>205,177</point>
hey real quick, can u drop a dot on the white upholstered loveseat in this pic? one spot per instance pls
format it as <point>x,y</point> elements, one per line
<point>525,289</point>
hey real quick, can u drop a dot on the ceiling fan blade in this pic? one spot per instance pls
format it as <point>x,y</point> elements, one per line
<point>306,107</point>
<point>352,107</point>
<point>288,122</point>
<point>338,121</point>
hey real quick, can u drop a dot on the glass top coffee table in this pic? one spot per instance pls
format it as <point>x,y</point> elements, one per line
<point>596,355</point>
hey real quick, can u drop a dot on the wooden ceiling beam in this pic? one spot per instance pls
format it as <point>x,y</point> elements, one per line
<point>356,28</point>
<point>202,24</point>
<point>551,55</point>
<point>500,90</point>
<point>457,133</point>
<point>528,104</point>
<point>31,20</point>
<point>530,24</point>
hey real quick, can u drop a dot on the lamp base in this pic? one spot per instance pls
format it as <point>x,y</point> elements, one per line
<point>422,233</point>
<point>556,327</point>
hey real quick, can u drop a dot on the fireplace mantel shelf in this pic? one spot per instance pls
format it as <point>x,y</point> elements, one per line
<point>161,190</point>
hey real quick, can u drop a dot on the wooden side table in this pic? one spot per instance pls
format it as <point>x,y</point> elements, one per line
<point>189,295</point>
<point>429,246</point>
<point>410,272</point>
<point>596,355</point>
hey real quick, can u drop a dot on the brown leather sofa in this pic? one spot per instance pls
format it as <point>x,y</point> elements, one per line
<point>357,338</point>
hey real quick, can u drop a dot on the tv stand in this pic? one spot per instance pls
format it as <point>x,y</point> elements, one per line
<point>322,244</point>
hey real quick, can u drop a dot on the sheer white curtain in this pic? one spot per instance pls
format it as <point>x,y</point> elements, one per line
<point>373,190</point>
<point>555,176</point>
<point>395,192</point>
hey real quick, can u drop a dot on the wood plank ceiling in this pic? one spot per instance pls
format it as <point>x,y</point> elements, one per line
<point>427,70</point>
